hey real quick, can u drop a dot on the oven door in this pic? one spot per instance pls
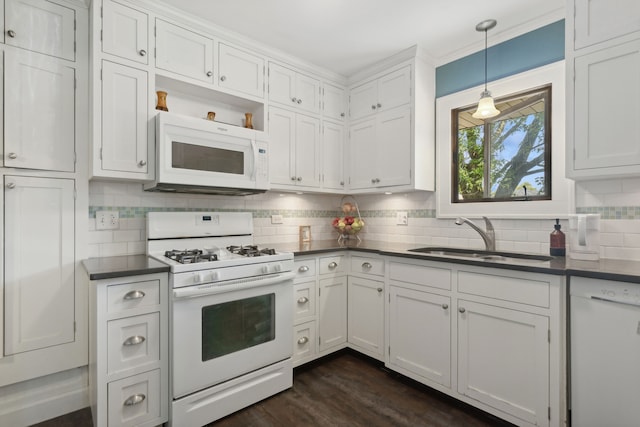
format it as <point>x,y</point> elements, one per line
<point>223,331</point>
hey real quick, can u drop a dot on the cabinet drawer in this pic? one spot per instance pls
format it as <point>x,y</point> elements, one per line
<point>129,296</point>
<point>516,289</point>
<point>135,400</point>
<point>332,264</point>
<point>305,268</point>
<point>304,341</point>
<point>421,275</point>
<point>304,308</point>
<point>133,342</point>
<point>371,266</point>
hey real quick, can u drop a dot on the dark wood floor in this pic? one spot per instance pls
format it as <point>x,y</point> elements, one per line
<point>345,389</point>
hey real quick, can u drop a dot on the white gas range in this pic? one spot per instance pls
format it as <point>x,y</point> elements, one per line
<point>231,316</point>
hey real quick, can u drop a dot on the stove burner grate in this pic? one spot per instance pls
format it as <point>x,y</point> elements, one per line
<point>250,250</point>
<point>190,256</point>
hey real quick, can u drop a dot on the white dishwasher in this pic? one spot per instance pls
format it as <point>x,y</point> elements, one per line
<point>605,353</point>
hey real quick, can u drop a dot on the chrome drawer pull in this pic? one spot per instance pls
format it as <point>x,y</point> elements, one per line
<point>303,269</point>
<point>379,290</point>
<point>134,295</point>
<point>462,310</point>
<point>445,306</point>
<point>135,399</point>
<point>332,265</point>
<point>303,300</point>
<point>303,340</point>
<point>134,340</point>
<point>366,265</point>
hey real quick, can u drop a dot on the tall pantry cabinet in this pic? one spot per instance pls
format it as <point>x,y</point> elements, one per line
<point>44,137</point>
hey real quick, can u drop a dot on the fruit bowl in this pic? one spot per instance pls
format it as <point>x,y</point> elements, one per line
<point>349,224</point>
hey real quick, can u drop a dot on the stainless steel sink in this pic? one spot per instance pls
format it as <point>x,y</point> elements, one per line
<point>481,255</point>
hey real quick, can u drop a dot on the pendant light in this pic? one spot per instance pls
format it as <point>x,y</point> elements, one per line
<point>485,109</point>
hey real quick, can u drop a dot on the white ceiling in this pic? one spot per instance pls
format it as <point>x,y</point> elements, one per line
<point>345,36</point>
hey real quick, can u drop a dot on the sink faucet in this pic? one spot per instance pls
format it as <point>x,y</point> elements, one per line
<point>489,236</point>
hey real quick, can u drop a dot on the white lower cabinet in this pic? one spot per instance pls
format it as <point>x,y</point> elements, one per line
<point>128,352</point>
<point>365,316</point>
<point>332,323</point>
<point>503,360</point>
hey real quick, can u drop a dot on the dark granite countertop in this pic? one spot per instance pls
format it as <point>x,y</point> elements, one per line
<point>608,269</point>
<point>122,266</point>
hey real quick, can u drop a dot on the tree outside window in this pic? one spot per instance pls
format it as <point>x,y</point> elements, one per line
<point>507,157</point>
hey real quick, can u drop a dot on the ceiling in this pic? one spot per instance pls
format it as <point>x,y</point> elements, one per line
<point>345,36</point>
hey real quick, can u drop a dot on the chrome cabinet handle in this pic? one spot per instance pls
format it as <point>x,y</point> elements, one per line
<point>294,99</point>
<point>142,163</point>
<point>373,180</point>
<point>223,78</point>
<point>366,265</point>
<point>299,101</point>
<point>341,182</point>
<point>11,185</point>
<point>11,33</point>
<point>209,73</point>
<point>135,399</point>
<point>134,295</point>
<point>332,265</point>
<point>341,114</point>
<point>293,178</point>
<point>303,269</point>
<point>373,107</point>
<point>12,156</point>
<point>142,52</point>
<point>303,300</point>
<point>380,290</point>
<point>462,310</point>
<point>299,178</point>
<point>134,340</point>
<point>303,340</point>
<point>379,105</point>
<point>445,306</point>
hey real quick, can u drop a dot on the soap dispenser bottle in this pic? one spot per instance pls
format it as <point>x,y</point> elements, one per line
<point>557,244</point>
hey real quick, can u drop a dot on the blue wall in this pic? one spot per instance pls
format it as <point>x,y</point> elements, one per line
<point>531,50</point>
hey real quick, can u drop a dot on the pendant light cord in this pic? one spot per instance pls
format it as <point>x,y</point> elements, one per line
<point>485,60</point>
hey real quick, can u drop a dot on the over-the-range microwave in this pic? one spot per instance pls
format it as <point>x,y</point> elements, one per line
<point>202,156</point>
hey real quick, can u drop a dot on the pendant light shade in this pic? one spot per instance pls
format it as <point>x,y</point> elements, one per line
<point>486,108</point>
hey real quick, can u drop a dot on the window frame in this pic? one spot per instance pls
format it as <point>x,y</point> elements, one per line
<point>562,202</point>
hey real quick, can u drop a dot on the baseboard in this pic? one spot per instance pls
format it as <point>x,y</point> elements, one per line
<point>40,399</point>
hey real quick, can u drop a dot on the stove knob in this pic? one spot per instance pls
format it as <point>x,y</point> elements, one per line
<point>265,269</point>
<point>215,275</point>
<point>277,267</point>
<point>198,277</point>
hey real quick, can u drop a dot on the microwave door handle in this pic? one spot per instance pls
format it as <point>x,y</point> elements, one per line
<point>254,148</point>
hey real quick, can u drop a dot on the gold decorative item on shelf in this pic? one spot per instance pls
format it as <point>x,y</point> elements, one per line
<point>162,101</point>
<point>211,115</point>
<point>248,121</point>
<point>350,223</point>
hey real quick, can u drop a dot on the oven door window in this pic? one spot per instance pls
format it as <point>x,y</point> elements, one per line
<point>207,159</point>
<point>236,325</point>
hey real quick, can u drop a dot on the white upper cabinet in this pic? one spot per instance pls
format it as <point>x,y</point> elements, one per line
<point>39,296</point>
<point>600,20</point>
<point>334,102</point>
<point>293,89</point>
<point>41,26</point>
<point>39,109</point>
<point>382,94</point>
<point>184,52</point>
<point>332,153</point>
<point>125,32</point>
<point>240,71</point>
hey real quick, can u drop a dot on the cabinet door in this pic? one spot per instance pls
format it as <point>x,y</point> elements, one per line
<point>307,93</point>
<point>307,163</point>
<point>124,32</point>
<point>41,26</point>
<point>282,83</point>
<point>362,154</point>
<point>332,328</point>
<point>503,360</point>
<point>124,119</point>
<point>304,302</point>
<point>363,100</point>
<point>184,52</point>
<point>38,263</point>
<point>282,126</point>
<point>304,342</point>
<point>394,89</point>
<point>240,71</point>
<point>393,148</point>
<point>366,315</point>
<point>607,100</point>
<point>334,102</point>
<point>599,20</point>
<point>420,334</point>
<point>39,113</point>
<point>333,155</point>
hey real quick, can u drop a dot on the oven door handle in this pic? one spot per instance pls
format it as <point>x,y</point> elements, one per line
<point>232,285</point>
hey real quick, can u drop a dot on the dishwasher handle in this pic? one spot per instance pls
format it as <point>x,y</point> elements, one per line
<point>614,301</point>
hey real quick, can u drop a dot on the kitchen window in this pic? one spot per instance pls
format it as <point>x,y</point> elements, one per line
<point>507,157</point>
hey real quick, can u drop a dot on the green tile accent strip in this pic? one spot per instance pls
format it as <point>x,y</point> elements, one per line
<point>612,212</point>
